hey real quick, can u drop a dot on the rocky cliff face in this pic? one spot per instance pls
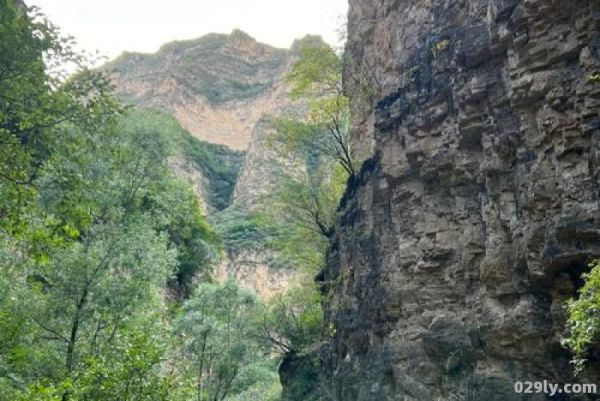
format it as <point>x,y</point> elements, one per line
<point>221,88</point>
<point>470,224</point>
<point>217,86</point>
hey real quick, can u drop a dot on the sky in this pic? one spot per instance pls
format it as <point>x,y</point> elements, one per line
<point>114,26</point>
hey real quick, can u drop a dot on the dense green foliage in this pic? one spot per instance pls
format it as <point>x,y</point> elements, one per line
<point>126,228</point>
<point>176,208</point>
<point>92,227</point>
<point>35,105</point>
<point>217,335</point>
<point>105,258</point>
<point>243,229</point>
<point>219,164</point>
<point>584,317</point>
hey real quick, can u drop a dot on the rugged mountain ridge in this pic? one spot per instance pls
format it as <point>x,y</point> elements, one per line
<point>222,88</point>
<point>470,224</point>
<point>217,86</point>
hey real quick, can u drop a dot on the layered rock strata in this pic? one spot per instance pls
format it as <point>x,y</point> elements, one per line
<point>475,215</point>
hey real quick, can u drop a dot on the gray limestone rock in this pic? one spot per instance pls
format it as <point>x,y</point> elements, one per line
<point>478,208</point>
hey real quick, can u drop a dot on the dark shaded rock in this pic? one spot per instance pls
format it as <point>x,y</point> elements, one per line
<point>447,341</point>
<point>475,45</point>
<point>478,209</point>
<point>300,378</point>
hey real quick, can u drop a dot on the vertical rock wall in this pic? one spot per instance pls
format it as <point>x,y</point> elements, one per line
<point>470,224</point>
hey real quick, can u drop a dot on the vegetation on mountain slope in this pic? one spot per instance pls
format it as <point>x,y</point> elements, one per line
<point>106,288</point>
<point>198,65</point>
<point>219,164</point>
<point>243,229</point>
<point>95,235</point>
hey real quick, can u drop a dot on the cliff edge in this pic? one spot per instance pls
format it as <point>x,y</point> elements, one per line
<point>478,210</point>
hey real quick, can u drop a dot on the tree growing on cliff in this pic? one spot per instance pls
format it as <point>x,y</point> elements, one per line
<point>321,138</point>
<point>293,320</point>
<point>308,201</point>
<point>584,318</point>
<point>317,78</point>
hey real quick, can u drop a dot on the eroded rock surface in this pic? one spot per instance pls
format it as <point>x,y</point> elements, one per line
<point>223,89</point>
<point>470,224</point>
<point>217,86</point>
<point>253,268</point>
<point>188,172</point>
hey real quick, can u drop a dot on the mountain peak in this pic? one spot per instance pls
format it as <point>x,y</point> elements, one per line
<point>218,86</point>
<point>238,34</point>
<point>308,40</point>
<point>239,41</point>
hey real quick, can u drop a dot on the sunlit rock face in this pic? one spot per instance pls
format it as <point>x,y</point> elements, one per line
<point>223,89</point>
<point>253,269</point>
<point>217,86</point>
<point>478,209</point>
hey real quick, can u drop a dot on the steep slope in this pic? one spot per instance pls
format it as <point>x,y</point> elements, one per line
<point>221,88</point>
<point>469,226</point>
<point>217,86</point>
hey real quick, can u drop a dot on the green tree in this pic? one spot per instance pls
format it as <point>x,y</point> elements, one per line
<point>317,77</point>
<point>584,318</point>
<point>35,103</point>
<point>94,286</point>
<point>131,368</point>
<point>215,331</point>
<point>321,139</point>
<point>292,322</point>
<point>16,350</point>
<point>308,203</point>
